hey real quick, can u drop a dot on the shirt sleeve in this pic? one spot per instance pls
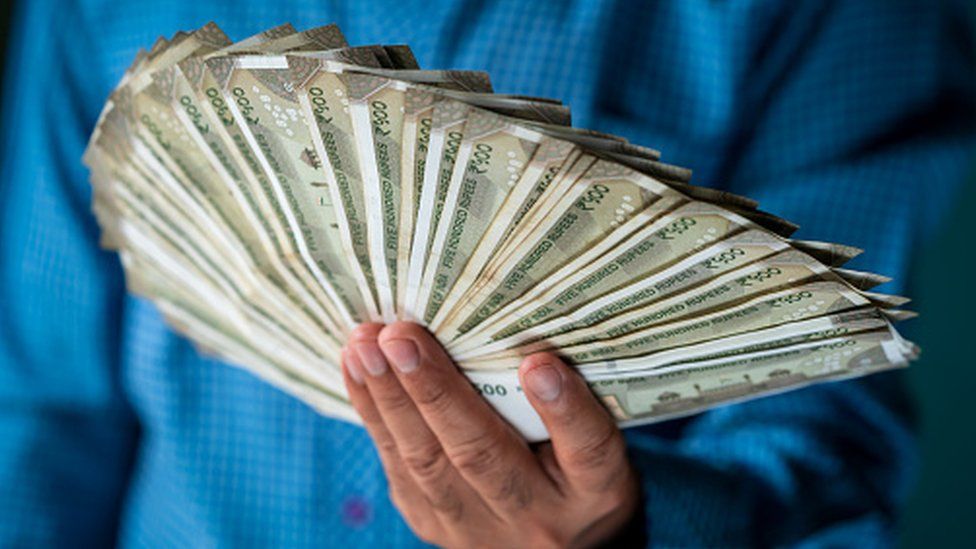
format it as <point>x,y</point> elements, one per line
<point>66,433</point>
<point>857,121</point>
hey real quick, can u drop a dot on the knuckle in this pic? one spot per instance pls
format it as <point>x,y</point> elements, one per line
<point>386,446</point>
<point>395,402</point>
<point>598,450</point>
<point>447,504</point>
<point>513,489</point>
<point>477,461</point>
<point>432,395</point>
<point>426,463</point>
<point>478,455</point>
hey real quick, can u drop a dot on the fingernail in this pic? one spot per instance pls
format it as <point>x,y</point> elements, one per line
<point>545,382</point>
<point>372,359</point>
<point>355,369</point>
<point>403,354</point>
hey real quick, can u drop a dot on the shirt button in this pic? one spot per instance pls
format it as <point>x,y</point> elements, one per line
<point>356,512</point>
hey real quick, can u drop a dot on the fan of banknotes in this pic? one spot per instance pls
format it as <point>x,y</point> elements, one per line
<point>269,195</point>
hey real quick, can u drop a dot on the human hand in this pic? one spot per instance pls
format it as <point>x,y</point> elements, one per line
<point>460,475</point>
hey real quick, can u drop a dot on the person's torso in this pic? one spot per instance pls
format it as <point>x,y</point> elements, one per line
<point>225,459</point>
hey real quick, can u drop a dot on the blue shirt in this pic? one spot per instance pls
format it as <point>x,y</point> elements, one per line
<point>854,119</point>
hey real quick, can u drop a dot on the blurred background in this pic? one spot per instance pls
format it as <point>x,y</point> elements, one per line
<point>940,512</point>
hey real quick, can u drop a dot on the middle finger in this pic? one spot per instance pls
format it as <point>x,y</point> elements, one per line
<point>449,494</point>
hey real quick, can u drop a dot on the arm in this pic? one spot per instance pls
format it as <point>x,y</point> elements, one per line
<point>66,435</point>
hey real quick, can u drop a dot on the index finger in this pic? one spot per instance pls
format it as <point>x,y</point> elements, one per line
<point>489,454</point>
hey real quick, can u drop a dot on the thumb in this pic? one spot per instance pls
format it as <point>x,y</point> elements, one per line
<point>587,444</point>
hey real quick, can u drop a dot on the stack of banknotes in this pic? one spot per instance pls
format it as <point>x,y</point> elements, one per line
<point>269,195</point>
